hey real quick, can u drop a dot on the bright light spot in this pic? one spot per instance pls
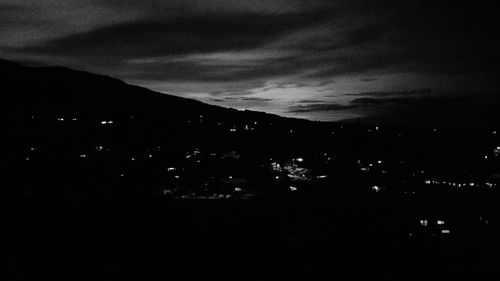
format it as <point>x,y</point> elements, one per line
<point>427,182</point>
<point>277,177</point>
<point>375,188</point>
<point>379,161</point>
<point>293,188</point>
<point>300,159</point>
<point>439,222</point>
<point>83,155</point>
<point>60,119</point>
<point>445,231</point>
<point>237,189</point>
<point>171,169</point>
<point>321,177</point>
<point>424,222</point>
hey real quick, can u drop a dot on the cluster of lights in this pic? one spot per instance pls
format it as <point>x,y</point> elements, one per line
<point>454,184</point>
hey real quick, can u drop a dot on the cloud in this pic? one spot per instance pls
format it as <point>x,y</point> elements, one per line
<point>393,93</point>
<point>318,107</point>
<point>433,101</point>
<point>368,80</point>
<point>190,34</point>
<point>310,101</point>
<point>372,104</point>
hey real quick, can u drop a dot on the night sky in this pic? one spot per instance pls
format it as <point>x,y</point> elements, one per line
<point>388,62</point>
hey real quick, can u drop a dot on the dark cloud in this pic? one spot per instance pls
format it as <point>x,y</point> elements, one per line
<point>393,93</point>
<point>177,36</point>
<point>318,107</point>
<point>247,99</point>
<point>374,103</point>
<point>255,99</point>
<point>435,101</point>
<point>310,101</point>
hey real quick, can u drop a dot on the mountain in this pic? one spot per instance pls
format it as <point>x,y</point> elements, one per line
<point>57,90</point>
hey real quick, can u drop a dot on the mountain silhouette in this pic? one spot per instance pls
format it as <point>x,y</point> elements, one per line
<point>63,92</point>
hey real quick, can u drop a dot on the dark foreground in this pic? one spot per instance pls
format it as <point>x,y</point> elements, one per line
<point>377,236</point>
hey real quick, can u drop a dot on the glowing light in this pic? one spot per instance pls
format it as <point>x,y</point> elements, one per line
<point>445,231</point>
<point>439,222</point>
<point>293,188</point>
<point>238,189</point>
<point>424,222</point>
<point>300,159</point>
<point>375,188</point>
